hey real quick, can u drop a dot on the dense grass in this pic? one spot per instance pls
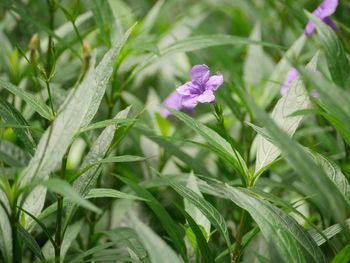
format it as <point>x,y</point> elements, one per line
<point>95,167</point>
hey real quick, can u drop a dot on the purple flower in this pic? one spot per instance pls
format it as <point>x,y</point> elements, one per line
<point>292,75</point>
<point>201,88</point>
<point>174,101</point>
<point>323,12</point>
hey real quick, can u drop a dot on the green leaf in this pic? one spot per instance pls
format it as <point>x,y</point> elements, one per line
<point>104,19</point>
<point>169,146</point>
<point>216,143</point>
<point>337,60</point>
<point>115,159</point>
<point>343,256</point>
<point>105,123</point>
<point>296,99</point>
<point>66,190</point>
<point>329,232</point>
<point>13,116</point>
<point>76,112</point>
<point>253,73</point>
<point>97,152</point>
<point>5,231</point>
<point>151,17</point>
<point>13,155</point>
<point>69,237</point>
<point>122,159</point>
<point>333,100</point>
<point>205,207</point>
<point>192,210</point>
<point>111,193</point>
<point>157,249</point>
<point>194,43</point>
<point>30,242</point>
<point>37,105</point>
<point>291,241</point>
<point>201,241</point>
<point>328,198</point>
<point>125,236</point>
<point>165,219</point>
<point>272,87</point>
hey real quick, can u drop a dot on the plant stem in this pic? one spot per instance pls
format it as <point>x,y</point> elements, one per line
<point>59,214</point>
<point>16,249</point>
<point>50,97</point>
<point>235,255</point>
<point>49,43</point>
<point>48,68</point>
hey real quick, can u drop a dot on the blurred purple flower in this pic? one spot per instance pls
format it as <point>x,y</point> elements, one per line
<point>201,88</point>
<point>292,75</point>
<point>174,101</point>
<point>323,12</point>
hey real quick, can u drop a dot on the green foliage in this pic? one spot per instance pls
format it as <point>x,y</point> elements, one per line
<point>91,171</point>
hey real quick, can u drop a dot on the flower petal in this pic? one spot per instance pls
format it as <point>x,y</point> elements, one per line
<point>185,89</point>
<point>326,9</point>
<point>206,96</point>
<point>172,101</point>
<point>189,102</point>
<point>330,23</point>
<point>291,76</point>
<point>214,82</point>
<point>310,28</point>
<point>323,11</point>
<point>200,74</point>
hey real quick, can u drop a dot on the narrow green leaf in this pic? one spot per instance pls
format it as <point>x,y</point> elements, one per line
<point>218,144</point>
<point>151,17</point>
<point>13,155</point>
<point>328,197</point>
<point>5,231</point>
<point>125,236</point>
<point>292,242</point>
<point>201,241</point>
<point>105,123</point>
<point>194,43</point>
<point>337,60</point>
<point>329,232</point>
<point>111,193</point>
<point>253,73</point>
<point>30,242</point>
<point>343,256</point>
<point>165,219</point>
<point>38,105</point>
<point>13,116</point>
<point>296,99</point>
<point>205,207</point>
<point>169,146</point>
<point>333,100</point>
<point>157,249</point>
<point>65,189</point>
<point>97,152</point>
<point>104,19</point>
<point>192,210</point>
<point>76,112</point>
<point>272,87</point>
<point>122,159</point>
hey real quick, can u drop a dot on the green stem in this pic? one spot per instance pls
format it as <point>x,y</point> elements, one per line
<point>59,215</point>
<point>49,43</point>
<point>50,97</point>
<point>16,248</point>
<point>243,219</point>
<point>48,67</point>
